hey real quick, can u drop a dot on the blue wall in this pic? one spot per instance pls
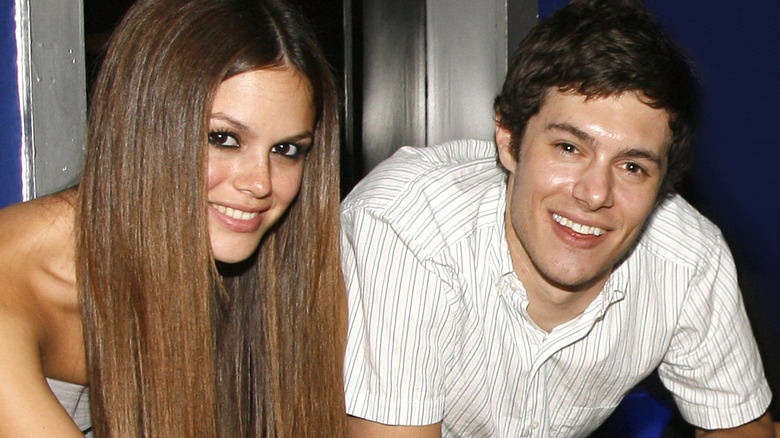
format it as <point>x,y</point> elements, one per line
<point>10,159</point>
<point>735,178</point>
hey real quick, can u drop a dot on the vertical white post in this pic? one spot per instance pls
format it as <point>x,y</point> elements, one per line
<point>466,63</point>
<point>52,93</point>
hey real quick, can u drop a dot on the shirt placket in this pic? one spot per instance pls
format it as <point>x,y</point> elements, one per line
<point>535,400</point>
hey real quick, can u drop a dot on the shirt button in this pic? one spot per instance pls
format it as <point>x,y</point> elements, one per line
<point>534,425</point>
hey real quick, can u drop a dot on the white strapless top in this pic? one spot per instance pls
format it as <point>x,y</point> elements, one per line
<point>75,399</point>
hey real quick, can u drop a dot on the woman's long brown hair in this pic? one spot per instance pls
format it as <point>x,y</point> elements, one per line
<point>177,345</point>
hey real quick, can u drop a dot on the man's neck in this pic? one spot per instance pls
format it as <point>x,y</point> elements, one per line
<point>550,307</point>
<point>550,304</point>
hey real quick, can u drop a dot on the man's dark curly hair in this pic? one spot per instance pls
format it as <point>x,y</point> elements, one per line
<point>601,48</point>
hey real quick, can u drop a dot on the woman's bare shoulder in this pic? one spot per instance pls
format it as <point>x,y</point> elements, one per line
<point>39,314</point>
<point>30,222</point>
<point>37,257</point>
<point>38,292</point>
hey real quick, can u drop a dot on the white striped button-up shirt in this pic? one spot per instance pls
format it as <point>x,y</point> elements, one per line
<point>439,331</point>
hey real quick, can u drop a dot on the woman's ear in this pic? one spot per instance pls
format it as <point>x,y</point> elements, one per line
<point>504,144</point>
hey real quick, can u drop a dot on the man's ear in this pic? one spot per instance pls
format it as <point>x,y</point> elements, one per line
<point>504,144</point>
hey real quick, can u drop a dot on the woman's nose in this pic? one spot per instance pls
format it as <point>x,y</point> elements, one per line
<point>254,177</point>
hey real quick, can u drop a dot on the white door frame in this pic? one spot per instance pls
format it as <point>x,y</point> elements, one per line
<point>52,93</point>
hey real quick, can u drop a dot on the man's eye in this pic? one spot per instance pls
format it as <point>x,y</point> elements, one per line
<point>634,168</point>
<point>567,148</point>
<point>223,139</point>
<point>287,149</point>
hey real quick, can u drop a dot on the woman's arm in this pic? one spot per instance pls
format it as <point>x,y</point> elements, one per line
<point>28,408</point>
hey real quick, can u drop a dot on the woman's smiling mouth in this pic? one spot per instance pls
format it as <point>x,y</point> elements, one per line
<point>235,213</point>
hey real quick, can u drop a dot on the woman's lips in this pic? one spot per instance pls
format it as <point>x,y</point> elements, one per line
<point>238,220</point>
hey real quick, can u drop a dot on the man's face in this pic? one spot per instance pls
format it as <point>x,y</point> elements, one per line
<point>586,180</point>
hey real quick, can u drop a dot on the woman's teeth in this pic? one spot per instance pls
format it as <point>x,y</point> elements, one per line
<point>578,228</point>
<point>235,214</point>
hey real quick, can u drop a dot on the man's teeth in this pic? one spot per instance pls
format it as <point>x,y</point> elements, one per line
<point>579,228</point>
<point>235,214</point>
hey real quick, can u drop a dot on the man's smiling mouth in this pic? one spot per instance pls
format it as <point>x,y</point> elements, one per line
<point>578,228</point>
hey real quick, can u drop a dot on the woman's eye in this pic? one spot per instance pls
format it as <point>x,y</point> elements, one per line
<point>287,149</point>
<point>223,139</point>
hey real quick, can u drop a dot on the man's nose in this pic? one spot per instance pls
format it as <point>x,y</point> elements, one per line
<point>594,187</point>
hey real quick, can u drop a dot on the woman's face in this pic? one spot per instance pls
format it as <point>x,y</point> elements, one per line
<point>261,127</point>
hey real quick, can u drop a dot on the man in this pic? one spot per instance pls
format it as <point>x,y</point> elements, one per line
<point>522,288</point>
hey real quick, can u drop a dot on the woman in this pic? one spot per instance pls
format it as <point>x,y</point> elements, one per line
<point>192,280</point>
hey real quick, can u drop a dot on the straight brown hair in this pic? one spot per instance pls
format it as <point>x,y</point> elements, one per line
<point>178,345</point>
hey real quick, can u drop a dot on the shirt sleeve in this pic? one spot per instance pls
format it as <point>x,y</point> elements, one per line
<point>713,366</point>
<point>397,314</point>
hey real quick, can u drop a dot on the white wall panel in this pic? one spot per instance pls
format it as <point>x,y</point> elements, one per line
<point>52,92</point>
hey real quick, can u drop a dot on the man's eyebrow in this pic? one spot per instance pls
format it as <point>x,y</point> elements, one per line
<point>573,130</point>
<point>584,136</point>
<point>643,153</point>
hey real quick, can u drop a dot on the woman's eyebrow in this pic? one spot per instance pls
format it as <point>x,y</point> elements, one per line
<point>240,126</point>
<point>297,138</point>
<point>230,120</point>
